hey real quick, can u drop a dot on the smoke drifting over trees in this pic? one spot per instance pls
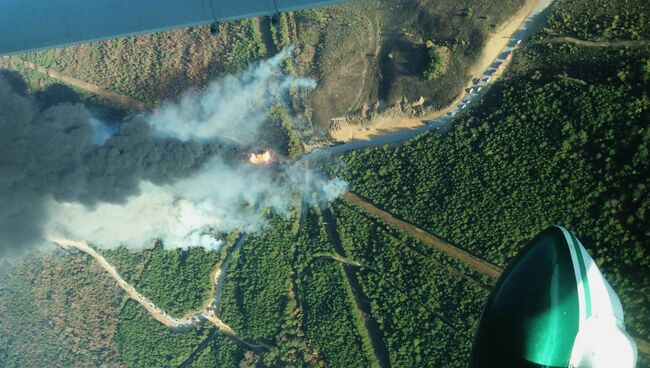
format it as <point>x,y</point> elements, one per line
<point>169,174</point>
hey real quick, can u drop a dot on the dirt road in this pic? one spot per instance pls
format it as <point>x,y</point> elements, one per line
<point>397,130</point>
<point>155,312</point>
<point>614,43</point>
<point>521,25</point>
<point>476,263</point>
<point>469,259</point>
<point>83,85</point>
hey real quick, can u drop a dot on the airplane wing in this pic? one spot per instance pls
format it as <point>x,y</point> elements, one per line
<point>28,25</point>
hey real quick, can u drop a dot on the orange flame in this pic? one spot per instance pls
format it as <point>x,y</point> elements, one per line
<point>260,158</point>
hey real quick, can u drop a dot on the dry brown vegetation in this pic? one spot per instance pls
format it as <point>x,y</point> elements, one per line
<point>158,66</point>
<point>46,322</point>
<point>361,53</point>
<point>367,52</point>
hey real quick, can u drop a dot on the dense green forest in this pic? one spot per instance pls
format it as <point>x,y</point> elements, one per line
<point>220,352</point>
<point>257,283</point>
<point>255,300</point>
<point>426,312</point>
<point>281,290</point>
<point>601,19</point>
<point>332,318</point>
<point>144,342</point>
<point>564,139</point>
<point>178,281</point>
<point>330,322</point>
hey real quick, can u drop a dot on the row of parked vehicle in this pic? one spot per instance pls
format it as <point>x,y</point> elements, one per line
<point>479,83</point>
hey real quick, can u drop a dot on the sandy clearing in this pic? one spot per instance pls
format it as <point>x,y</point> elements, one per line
<point>388,125</point>
<point>493,47</point>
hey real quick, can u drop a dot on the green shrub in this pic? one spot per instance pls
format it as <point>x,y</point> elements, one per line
<point>436,65</point>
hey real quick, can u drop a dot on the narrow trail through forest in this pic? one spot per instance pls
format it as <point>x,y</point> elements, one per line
<point>612,43</point>
<point>199,349</point>
<point>362,303</point>
<point>220,274</point>
<point>480,265</point>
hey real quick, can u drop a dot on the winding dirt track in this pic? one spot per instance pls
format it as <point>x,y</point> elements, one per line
<point>220,274</point>
<point>157,313</point>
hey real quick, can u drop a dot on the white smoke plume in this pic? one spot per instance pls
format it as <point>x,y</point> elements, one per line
<point>235,107</point>
<point>166,175</point>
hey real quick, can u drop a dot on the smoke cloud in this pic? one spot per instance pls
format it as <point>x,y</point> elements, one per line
<point>240,115</point>
<point>174,174</point>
